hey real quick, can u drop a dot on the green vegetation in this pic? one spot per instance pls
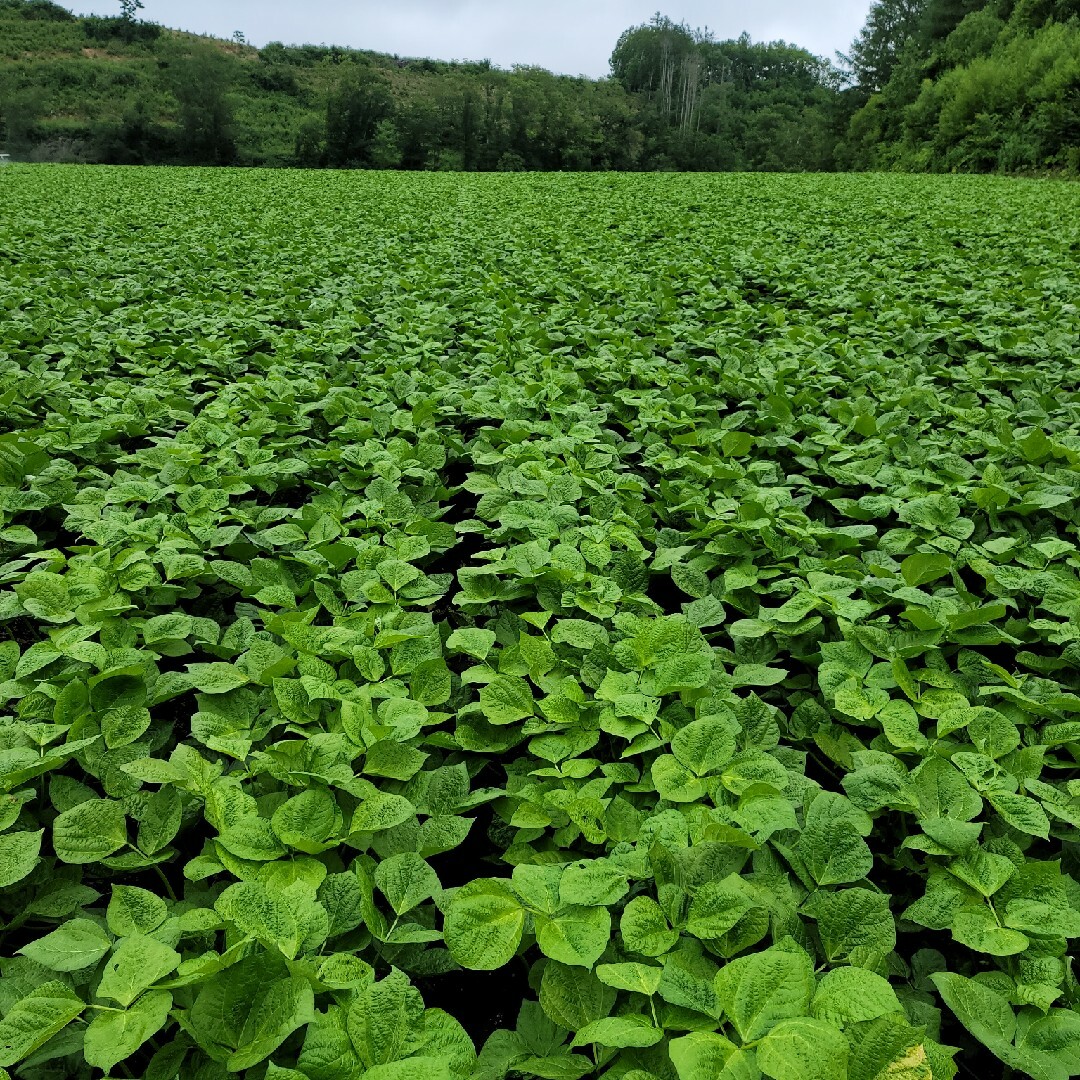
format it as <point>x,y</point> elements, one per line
<point>937,85</point>
<point>963,85</point>
<point>538,626</point>
<point>124,92</point>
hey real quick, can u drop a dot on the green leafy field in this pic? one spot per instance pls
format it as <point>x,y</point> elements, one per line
<point>626,626</point>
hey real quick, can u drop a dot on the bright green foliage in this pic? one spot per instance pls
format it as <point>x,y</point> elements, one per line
<point>490,628</point>
<point>971,85</point>
<point>77,944</point>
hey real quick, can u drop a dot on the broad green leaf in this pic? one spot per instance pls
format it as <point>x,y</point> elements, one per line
<point>216,678</point>
<point>635,978</point>
<point>278,1010</point>
<point>122,726</point>
<point>34,1019</point>
<point>979,929</point>
<point>259,913</point>
<point>1052,917</point>
<point>420,1067</point>
<point>483,926</point>
<point>832,843</point>
<point>573,997</point>
<point>576,936</point>
<point>704,746</point>
<point>506,699</point>
<point>391,759</point>
<point>308,821</point>
<point>758,991</point>
<point>690,579</point>
<point>1023,814</point>
<point>136,963</point>
<point>537,885</point>
<point>758,675</point>
<point>736,443</point>
<point>644,928</point>
<point>381,811</point>
<point>891,1049</point>
<point>985,1013</point>
<point>328,1053</point>
<point>160,819</point>
<point>619,1031</point>
<point>718,906</point>
<point>921,569</point>
<point>252,838</point>
<point>705,1055</point>
<point>406,880</point>
<point>112,1037</point>
<point>46,596</point>
<point>1051,1043</point>
<point>476,642</point>
<point>430,683</point>
<point>397,573</point>
<point>579,633</point>
<point>383,1019</point>
<point>592,883</point>
<point>19,855</point>
<point>134,911</point>
<point>853,995</point>
<point>89,831</point>
<point>801,1048</point>
<point>170,627</point>
<point>78,943</point>
<point>446,1040</point>
<point>682,673</point>
<point>835,853</point>
<point>854,919</point>
<point>985,872</point>
<point>689,979</point>
<point>405,716</point>
<point>676,783</point>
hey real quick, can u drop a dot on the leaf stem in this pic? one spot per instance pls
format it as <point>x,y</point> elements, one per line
<point>165,881</point>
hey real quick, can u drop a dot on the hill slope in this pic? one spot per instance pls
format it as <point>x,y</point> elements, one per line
<point>116,91</point>
<point>960,85</point>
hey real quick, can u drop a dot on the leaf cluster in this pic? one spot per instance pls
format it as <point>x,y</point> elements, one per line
<point>419,587</point>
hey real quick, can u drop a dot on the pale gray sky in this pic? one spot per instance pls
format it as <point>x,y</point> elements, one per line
<point>569,36</point>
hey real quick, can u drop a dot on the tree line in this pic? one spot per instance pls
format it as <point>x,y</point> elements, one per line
<point>928,84</point>
<point>966,85</point>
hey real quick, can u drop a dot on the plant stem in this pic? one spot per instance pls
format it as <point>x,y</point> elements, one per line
<point>165,881</point>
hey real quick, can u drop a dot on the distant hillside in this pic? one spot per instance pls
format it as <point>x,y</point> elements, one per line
<point>116,90</point>
<point>930,84</point>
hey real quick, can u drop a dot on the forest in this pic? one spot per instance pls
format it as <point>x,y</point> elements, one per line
<point>928,85</point>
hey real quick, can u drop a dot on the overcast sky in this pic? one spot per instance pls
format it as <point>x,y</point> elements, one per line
<point>568,36</point>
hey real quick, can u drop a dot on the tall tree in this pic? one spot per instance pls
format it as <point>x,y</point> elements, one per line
<point>21,110</point>
<point>662,60</point>
<point>201,81</point>
<point>889,28</point>
<point>941,17</point>
<point>354,109</point>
